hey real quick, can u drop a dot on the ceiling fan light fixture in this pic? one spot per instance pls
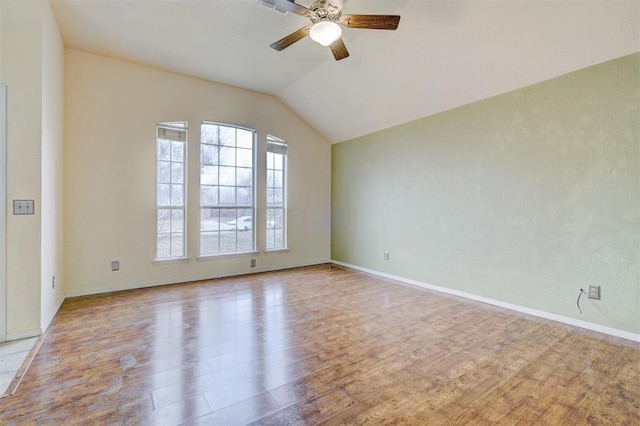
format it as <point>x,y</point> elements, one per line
<point>325,32</point>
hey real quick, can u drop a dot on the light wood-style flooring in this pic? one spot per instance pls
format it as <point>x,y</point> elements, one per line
<point>316,345</point>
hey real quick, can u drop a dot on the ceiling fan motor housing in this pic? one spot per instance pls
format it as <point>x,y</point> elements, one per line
<point>324,10</point>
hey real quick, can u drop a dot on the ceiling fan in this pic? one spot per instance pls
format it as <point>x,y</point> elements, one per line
<point>327,21</point>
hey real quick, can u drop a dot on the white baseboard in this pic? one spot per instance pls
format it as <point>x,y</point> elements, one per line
<point>190,279</point>
<point>24,334</point>
<point>523,309</point>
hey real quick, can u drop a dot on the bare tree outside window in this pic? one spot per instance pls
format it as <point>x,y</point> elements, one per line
<point>276,193</point>
<point>227,168</point>
<point>171,139</point>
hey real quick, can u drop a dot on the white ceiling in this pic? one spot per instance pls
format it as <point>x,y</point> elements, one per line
<point>443,55</point>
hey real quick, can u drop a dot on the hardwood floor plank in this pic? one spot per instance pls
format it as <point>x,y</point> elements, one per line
<point>242,412</point>
<point>318,345</point>
<point>311,411</point>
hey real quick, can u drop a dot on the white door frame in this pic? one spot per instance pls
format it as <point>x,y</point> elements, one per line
<point>3,212</point>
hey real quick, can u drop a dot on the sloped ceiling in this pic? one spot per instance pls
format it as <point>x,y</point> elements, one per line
<point>444,54</point>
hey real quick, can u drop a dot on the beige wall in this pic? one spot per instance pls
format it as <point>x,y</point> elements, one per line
<point>52,167</point>
<point>523,198</point>
<point>3,210</point>
<point>30,61</point>
<point>21,72</point>
<point>111,110</point>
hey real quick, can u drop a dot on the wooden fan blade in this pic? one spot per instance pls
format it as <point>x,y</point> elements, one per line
<point>289,6</point>
<point>339,50</point>
<point>287,41</point>
<point>373,22</point>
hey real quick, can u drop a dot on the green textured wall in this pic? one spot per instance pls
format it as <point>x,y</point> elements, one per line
<point>524,198</point>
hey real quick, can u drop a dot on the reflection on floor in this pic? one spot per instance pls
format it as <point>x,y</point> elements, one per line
<point>12,355</point>
<point>318,345</point>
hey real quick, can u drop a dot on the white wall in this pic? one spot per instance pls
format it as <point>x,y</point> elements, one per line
<point>3,224</point>
<point>111,110</point>
<point>52,167</point>
<point>21,68</point>
<point>31,60</point>
<point>31,65</point>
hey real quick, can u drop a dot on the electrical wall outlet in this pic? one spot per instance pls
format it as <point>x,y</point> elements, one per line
<point>115,265</point>
<point>386,255</point>
<point>253,263</point>
<point>23,206</point>
<point>594,292</point>
<point>53,282</point>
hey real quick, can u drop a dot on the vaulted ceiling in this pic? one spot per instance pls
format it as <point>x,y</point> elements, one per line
<point>444,54</point>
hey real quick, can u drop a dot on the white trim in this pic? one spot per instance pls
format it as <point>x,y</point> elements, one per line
<point>53,314</point>
<point>170,260</point>
<point>3,210</point>
<point>208,257</point>
<point>24,334</point>
<point>277,251</point>
<point>541,314</point>
<point>181,281</point>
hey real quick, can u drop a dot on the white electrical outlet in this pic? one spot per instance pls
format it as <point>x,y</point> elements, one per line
<point>115,265</point>
<point>594,292</point>
<point>386,255</point>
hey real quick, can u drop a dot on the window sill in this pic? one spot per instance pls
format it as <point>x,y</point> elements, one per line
<point>277,251</point>
<point>171,260</point>
<point>209,257</point>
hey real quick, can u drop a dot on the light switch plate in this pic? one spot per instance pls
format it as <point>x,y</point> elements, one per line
<point>23,206</point>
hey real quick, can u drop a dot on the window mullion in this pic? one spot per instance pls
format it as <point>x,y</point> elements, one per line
<point>226,232</point>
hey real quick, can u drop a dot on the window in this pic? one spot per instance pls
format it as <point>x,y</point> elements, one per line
<point>171,148</point>
<point>276,193</point>
<point>227,164</point>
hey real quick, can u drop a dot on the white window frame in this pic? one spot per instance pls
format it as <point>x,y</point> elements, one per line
<point>276,223</point>
<point>176,133</point>
<point>213,228</point>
